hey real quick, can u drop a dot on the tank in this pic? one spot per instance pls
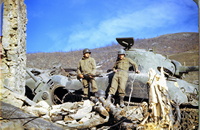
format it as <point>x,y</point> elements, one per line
<point>179,90</point>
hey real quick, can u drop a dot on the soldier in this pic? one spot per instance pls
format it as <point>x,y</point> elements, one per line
<point>87,66</point>
<point>120,77</point>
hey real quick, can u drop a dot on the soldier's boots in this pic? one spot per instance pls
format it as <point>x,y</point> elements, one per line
<point>122,101</point>
<point>109,98</point>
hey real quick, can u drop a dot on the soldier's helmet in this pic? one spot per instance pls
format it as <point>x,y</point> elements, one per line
<point>121,52</point>
<point>86,50</point>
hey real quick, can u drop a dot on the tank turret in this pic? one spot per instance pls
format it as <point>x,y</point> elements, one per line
<point>148,59</point>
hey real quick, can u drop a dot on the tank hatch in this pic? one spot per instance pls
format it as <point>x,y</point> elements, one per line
<point>126,42</point>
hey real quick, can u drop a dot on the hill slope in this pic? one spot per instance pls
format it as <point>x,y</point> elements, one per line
<point>165,44</point>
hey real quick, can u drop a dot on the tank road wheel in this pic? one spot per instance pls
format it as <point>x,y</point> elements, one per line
<point>61,95</point>
<point>57,93</point>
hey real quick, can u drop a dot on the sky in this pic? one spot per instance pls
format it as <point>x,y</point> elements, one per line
<point>69,25</point>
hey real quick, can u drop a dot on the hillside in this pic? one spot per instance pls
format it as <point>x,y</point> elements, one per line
<point>165,44</point>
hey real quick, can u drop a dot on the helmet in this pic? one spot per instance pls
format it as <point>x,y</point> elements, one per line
<point>86,50</point>
<point>121,52</point>
<point>100,93</point>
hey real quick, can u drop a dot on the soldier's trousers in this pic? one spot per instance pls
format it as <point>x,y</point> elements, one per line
<point>119,83</point>
<point>86,86</point>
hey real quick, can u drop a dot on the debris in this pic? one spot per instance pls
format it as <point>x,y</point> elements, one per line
<point>98,113</point>
<point>16,116</point>
<point>86,108</point>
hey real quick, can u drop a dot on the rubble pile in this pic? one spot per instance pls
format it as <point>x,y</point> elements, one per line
<point>97,113</point>
<point>86,114</point>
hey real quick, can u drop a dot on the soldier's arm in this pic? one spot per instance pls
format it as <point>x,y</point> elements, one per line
<point>93,67</point>
<point>135,65</point>
<point>114,67</point>
<point>79,68</point>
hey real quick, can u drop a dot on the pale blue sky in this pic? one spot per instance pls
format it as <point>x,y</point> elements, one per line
<point>65,25</point>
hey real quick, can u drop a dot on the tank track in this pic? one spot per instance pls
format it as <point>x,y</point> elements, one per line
<point>189,119</point>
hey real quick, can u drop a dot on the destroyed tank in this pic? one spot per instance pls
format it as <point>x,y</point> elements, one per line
<point>58,88</point>
<point>179,90</point>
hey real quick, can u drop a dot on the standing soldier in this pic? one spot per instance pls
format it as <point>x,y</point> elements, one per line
<point>87,66</point>
<point>120,77</point>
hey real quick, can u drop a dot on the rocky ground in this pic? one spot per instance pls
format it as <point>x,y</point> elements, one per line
<point>98,113</point>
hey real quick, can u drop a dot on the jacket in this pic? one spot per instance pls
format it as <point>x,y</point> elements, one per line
<point>124,64</point>
<point>86,66</point>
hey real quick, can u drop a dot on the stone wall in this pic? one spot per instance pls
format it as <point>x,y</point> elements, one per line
<point>13,57</point>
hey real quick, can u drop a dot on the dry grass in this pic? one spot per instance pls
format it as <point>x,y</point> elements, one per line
<point>182,47</point>
<point>189,58</point>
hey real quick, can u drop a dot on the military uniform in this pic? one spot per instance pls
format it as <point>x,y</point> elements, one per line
<point>87,66</point>
<point>121,76</point>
